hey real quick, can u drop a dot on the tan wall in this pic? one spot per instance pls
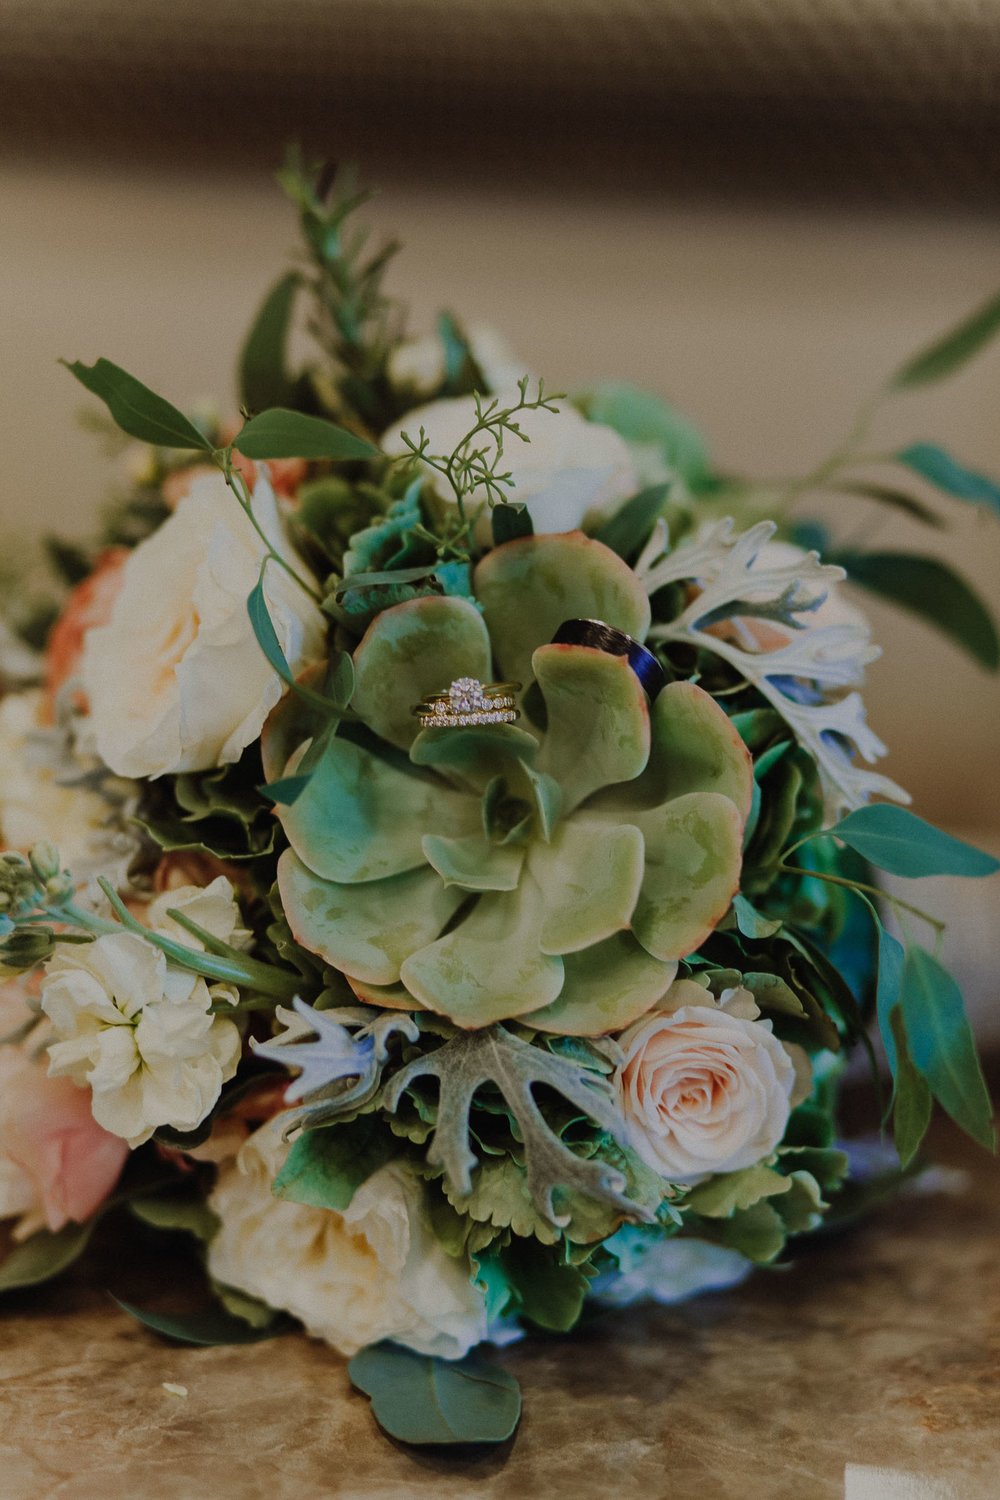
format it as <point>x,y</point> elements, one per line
<point>767,328</point>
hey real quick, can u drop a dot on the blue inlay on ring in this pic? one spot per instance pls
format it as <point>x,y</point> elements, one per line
<point>616,643</point>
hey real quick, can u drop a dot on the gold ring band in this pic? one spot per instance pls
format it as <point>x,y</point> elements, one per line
<point>467,703</point>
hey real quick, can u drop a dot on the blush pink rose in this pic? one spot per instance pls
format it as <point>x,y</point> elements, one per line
<point>704,1087</point>
<point>65,1162</point>
<point>90,603</point>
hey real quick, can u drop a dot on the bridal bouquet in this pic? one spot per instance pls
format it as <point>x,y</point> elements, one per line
<point>442,858</point>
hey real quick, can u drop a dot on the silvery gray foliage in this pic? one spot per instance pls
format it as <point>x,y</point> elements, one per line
<point>827,658</point>
<point>495,1055</point>
<point>348,1043</point>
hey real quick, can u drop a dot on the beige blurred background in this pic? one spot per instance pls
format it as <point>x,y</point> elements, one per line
<point>757,210</point>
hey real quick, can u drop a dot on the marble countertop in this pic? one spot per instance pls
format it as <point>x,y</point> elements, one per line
<point>870,1370</point>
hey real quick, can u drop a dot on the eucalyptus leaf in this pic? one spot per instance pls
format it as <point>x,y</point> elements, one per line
<point>912,1111</point>
<point>890,972</point>
<point>509,522</point>
<point>928,588</point>
<point>423,1400</point>
<point>137,410</point>
<point>280,433</point>
<point>942,1045</point>
<point>44,1255</point>
<point>954,349</point>
<point>941,469</point>
<point>631,525</point>
<point>891,496</point>
<point>264,381</point>
<point>210,1326</point>
<point>893,839</point>
<point>750,921</point>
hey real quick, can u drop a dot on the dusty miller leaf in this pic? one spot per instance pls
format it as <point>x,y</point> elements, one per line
<point>494,1055</point>
<point>827,657</point>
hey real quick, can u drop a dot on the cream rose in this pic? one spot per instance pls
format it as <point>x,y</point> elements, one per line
<point>705,1086</point>
<point>140,1031</point>
<point>570,471</point>
<point>374,1271</point>
<point>177,681</point>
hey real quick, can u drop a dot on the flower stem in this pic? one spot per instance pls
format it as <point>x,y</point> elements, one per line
<point>872,890</point>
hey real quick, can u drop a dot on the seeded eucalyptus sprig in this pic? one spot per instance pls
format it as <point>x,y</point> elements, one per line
<point>475,465</point>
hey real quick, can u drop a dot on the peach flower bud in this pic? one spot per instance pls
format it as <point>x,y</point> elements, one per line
<point>89,604</point>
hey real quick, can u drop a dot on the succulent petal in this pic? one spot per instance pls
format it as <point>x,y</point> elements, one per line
<point>412,650</point>
<point>590,876</point>
<point>529,587</point>
<point>363,816</point>
<point>597,730</point>
<point>693,861</point>
<point>366,930</point>
<point>606,988</point>
<point>491,966</point>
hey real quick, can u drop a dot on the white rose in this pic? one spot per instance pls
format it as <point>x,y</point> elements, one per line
<point>704,1086</point>
<point>570,471</point>
<point>177,681</point>
<point>140,1031</point>
<point>374,1271</point>
<point>420,362</point>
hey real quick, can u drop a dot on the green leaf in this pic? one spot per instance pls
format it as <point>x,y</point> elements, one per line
<point>138,411</point>
<point>630,526</point>
<point>939,468</point>
<point>210,1326</point>
<point>886,494</point>
<point>942,1045</point>
<point>263,379</point>
<point>750,922</point>
<point>730,1192</point>
<point>326,1166</point>
<point>949,353</point>
<point>912,1112</point>
<point>179,1210</point>
<point>510,522</point>
<point>267,640</point>
<point>890,973</point>
<point>287,790</point>
<point>929,589</point>
<point>44,1255</point>
<point>896,840</point>
<point>419,1399</point>
<point>280,433</point>
<point>549,1291</point>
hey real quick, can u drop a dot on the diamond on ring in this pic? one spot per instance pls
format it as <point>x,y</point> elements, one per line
<point>467,703</point>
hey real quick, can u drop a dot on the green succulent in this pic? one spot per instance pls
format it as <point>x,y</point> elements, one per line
<point>555,874</point>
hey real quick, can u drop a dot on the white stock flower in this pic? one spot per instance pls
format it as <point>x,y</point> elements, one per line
<point>570,470</point>
<point>35,807</point>
<point>139,1030</point>
<point>705,1086</point>
<point>374,1271</point>
<point>177,680</point>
